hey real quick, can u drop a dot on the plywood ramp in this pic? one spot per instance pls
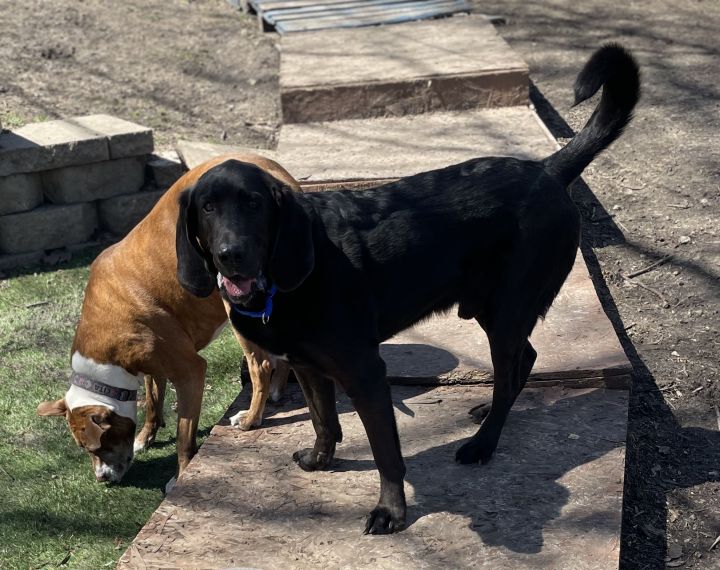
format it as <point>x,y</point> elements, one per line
<point>551,497</point>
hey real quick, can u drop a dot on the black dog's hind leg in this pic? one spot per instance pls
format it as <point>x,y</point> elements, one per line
<point>370,394</point>
<point>513,358</point>
<point>319,392</point>
<point>480,412</point>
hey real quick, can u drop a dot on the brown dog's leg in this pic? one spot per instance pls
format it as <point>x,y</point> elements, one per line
<point>279,380</point>
<point>262,374</point>
<point>189,400</point>
<point>154,400</point>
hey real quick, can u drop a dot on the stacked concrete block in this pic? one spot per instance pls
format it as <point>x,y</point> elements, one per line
<point>165,168</point>
<point>118,215</point>
<point>65,182</point>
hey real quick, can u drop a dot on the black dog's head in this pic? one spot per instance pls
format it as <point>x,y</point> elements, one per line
<point>238,228</point>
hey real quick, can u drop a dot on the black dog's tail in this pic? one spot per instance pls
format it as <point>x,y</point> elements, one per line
<point>616,71</point>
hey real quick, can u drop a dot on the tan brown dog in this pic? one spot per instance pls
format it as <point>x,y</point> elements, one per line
<point>137,320</point>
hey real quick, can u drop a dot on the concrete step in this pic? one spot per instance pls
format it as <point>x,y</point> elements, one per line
<point>450,64</point>
<point>550,498</point>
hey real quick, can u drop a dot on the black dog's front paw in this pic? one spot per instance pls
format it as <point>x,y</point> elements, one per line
<point>311,460</point>
<point>382,521</point>
<point>474,452</point>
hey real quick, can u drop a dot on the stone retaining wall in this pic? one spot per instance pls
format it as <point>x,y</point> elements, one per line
<point>69,182</point>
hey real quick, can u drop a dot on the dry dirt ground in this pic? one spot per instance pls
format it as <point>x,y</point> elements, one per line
<point>200,70</point>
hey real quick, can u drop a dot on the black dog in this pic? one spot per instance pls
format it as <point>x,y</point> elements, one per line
<point>324,278</point>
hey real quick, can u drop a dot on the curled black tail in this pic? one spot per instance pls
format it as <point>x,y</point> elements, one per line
<point>616,71</point>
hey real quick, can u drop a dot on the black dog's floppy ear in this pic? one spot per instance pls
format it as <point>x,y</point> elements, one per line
<point>293,256</point>
<point>192,271</point>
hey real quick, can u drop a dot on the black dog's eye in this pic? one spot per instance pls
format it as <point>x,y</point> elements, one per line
<point>208,207</point>
<point>253,204</point>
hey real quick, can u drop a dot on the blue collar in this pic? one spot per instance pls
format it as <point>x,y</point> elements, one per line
<point>266,312</point>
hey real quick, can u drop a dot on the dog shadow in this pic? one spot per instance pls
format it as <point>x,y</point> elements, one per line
<point>550,459</point>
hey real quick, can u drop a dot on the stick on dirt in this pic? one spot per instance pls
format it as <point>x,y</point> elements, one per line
<point>650,267</point>
<point>647,288</point>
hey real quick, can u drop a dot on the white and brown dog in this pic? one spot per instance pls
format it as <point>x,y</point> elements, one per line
<point>138,321</point>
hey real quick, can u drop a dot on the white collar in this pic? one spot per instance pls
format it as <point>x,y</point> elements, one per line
<point>110,374</point>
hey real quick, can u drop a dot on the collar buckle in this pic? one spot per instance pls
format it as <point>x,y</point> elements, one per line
<point>265,314</point>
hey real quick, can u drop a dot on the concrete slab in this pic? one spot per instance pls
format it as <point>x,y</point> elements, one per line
<point>367,149</point>
<point>449,64</point>
<point>550,498</point>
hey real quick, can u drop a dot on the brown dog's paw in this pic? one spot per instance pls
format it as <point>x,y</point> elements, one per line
<point>244,421</point>
<point>142,441</point>
<point>311,460</point>
<point>381,520</point>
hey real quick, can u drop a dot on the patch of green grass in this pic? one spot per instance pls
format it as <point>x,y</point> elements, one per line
<point>51,508</point>
<point>12,121</point>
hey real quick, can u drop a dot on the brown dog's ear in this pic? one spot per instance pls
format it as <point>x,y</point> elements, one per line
<point>293,256</point>
<point>56,408</point>
<point>193,272</point>
<point>101,419</point>
<point>95,426</point>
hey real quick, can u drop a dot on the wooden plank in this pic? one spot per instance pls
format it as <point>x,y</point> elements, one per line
<point>369,17</point>
<point>453,63</point>
<point>550,498</point>
<point>319,10</point>
<point>264,5</point>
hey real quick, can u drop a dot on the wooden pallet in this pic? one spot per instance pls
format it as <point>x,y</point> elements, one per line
<point>286,16</point>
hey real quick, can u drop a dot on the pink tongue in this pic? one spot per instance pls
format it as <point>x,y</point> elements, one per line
<point>238,287</point>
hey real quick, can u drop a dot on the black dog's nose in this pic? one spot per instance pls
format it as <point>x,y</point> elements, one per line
<point>228,253</point>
